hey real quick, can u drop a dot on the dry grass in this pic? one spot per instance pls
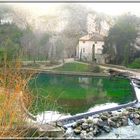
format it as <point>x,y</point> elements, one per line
<point>14,100</point>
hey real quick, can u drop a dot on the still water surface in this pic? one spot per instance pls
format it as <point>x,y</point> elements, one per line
<point>76,94</point>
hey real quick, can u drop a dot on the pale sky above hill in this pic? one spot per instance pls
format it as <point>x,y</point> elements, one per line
<point>116,8</point>
<point>107,8</point>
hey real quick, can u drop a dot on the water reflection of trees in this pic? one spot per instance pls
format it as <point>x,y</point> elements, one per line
<point>100,92</point>
<point>78,93</point>
<point>97,87</point>
<point>85,82</point>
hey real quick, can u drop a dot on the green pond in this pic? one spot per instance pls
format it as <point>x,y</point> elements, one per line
<point>76,94</point>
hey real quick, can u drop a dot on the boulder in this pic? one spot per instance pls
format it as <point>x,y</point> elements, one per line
<point>107,129</point>
<point>83,134</point>
<point>136,121</point>
<point>119,110</point>
<point>101,124</point>
<point>84,126</point>
<point>131,116</point>
<point>89,121</point>
<point>74,125</point>
<point>88,130</point>
<point>96,116</point>
<point>103,117</point>
<point>96,131</point>
<point>137,112</point>
<point>96,120</point>
<point>115,118</point>
<point>107,114</point>
<point>77,130</point>
<point>90,135</point>
<point>118,124</point>
<point>91,129</point>
<point>111,123</point>
<point>90,125</point>
<point>136,116</point>
<point>79,122</point>
<point>124,122</point>
<point>124,117</point>
<point>130,109</point>
<point>125,113</point>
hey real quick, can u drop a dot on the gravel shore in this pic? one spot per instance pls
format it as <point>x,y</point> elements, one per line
<point>120,124</point>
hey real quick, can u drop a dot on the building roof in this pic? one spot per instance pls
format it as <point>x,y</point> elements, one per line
<point>93,37</point>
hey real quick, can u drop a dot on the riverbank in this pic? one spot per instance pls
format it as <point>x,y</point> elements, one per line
<point>124,123</point>
<point>107,130</point>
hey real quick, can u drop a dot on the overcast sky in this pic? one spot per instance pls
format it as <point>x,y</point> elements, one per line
<point>107,8</point>
<point>116,8</point>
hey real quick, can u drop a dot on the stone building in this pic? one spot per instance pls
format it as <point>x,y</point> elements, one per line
<point>90,48</point>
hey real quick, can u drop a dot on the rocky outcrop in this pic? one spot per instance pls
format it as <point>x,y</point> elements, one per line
<point>104,123</point>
